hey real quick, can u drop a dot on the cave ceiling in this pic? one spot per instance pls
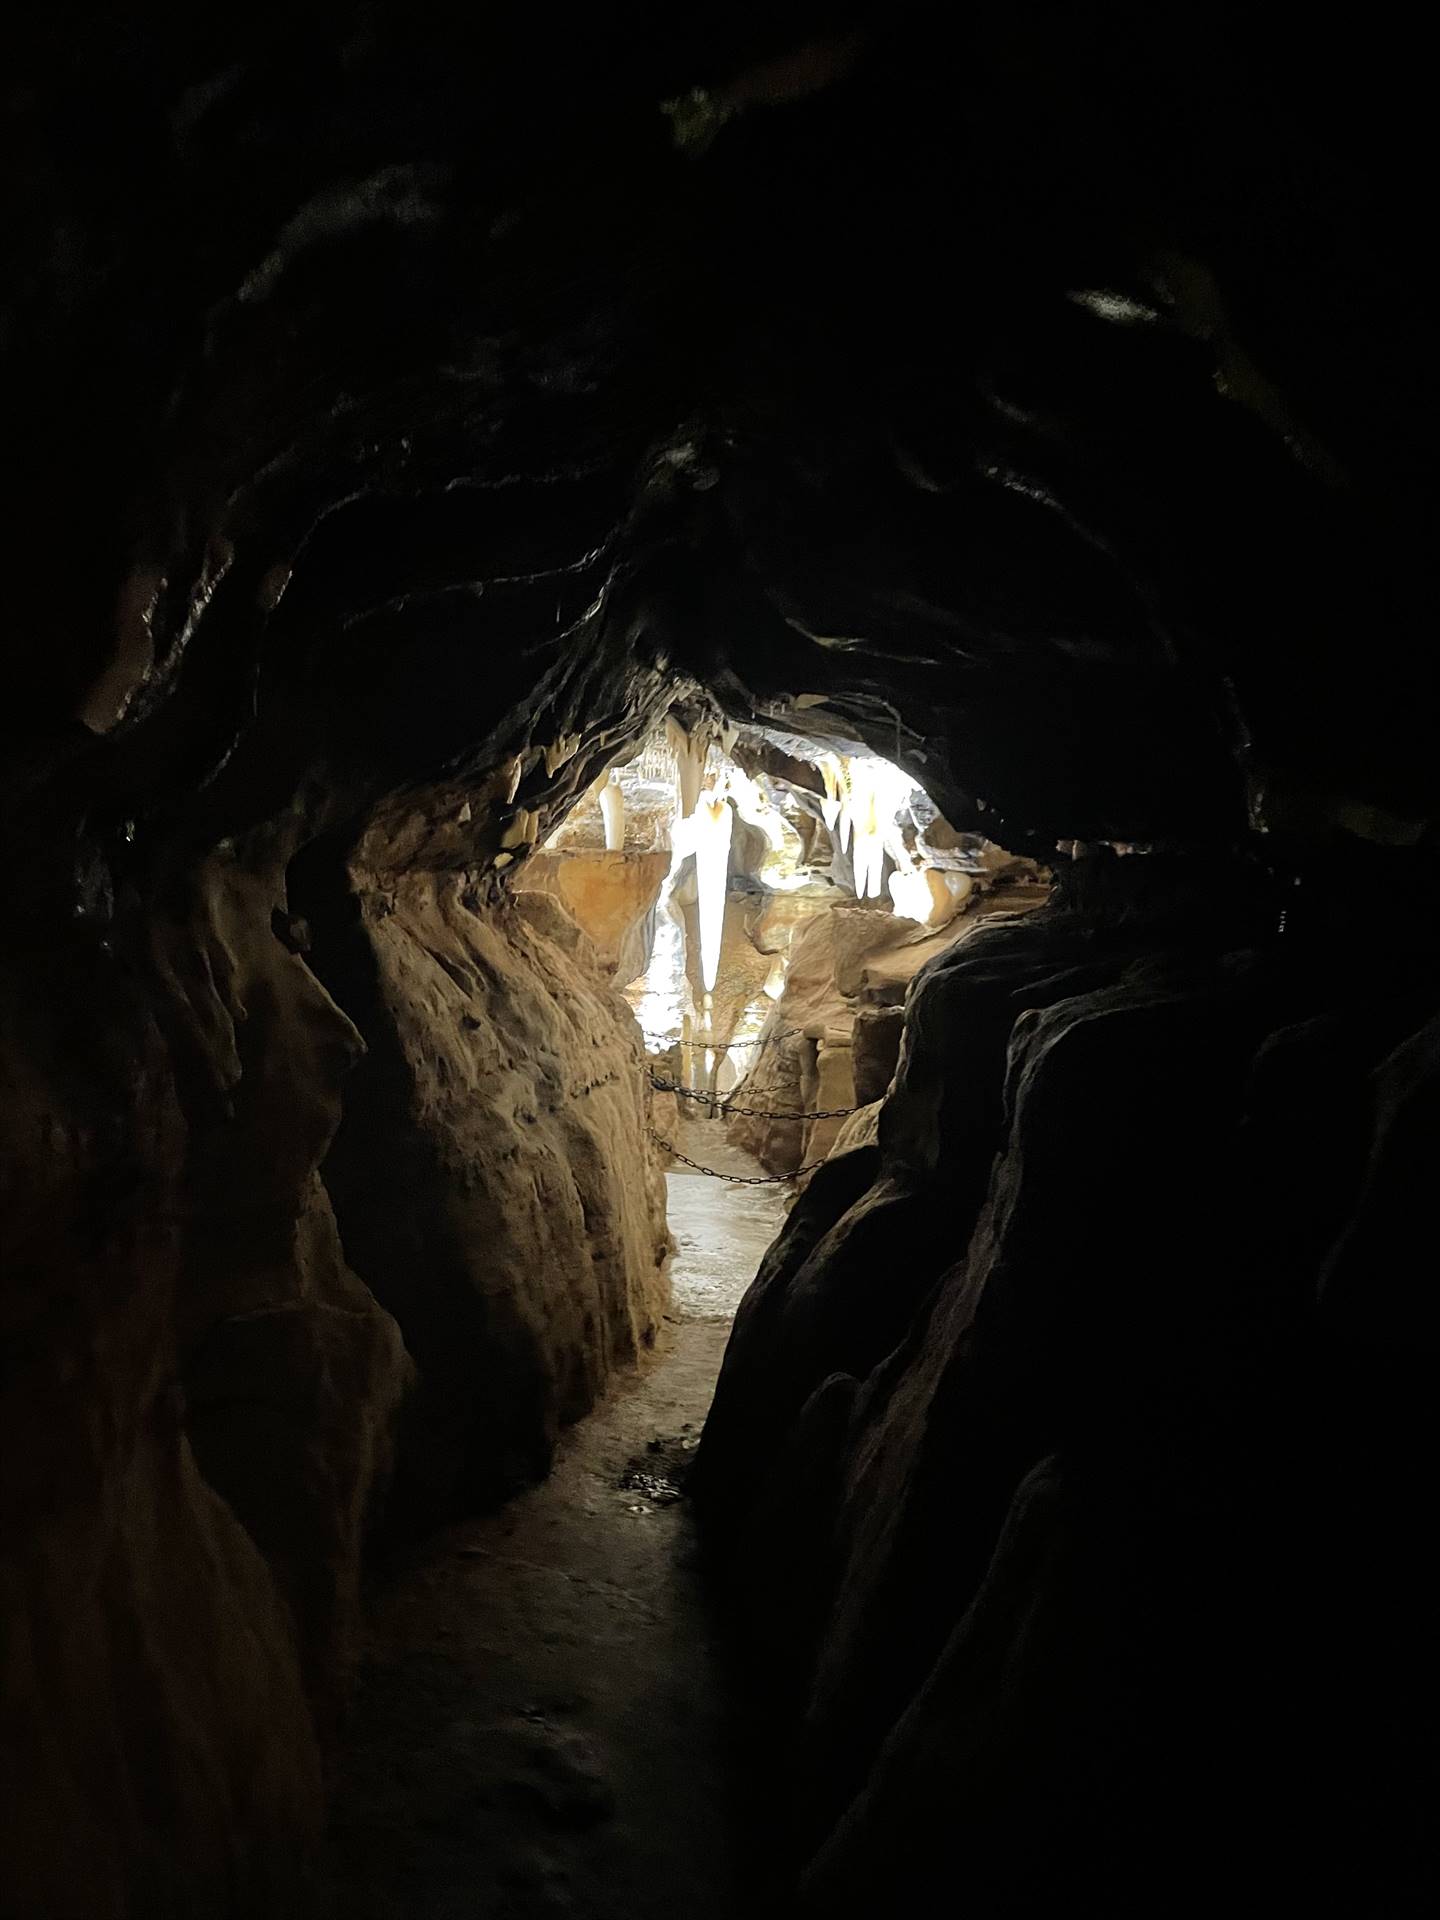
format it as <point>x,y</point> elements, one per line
<point>393,391</point>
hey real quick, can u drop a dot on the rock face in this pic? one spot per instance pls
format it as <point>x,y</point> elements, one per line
<point>1090,1486</point>
<point>292,1373</point>
<point>218,1391</point>
<point>219,1386</point>
<point>836,1030</point>
<point>493,1177</point>
<point>610,896</point>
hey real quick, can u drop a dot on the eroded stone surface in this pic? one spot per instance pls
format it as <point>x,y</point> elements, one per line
<point>1086,1488</point>
<point>850,964</point>
<point>610,896</point>
<point>177,1286</point>
<point>494,1178</point>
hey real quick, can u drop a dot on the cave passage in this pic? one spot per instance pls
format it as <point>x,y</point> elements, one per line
<point>847,598</point>
<point>544,1721</point>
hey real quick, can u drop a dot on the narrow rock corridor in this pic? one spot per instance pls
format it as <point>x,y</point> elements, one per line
<point>541,1724</point>
<point>841,584</point>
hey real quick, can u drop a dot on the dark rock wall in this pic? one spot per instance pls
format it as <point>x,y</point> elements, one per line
<point>1116,1502</point>
<point>202,1390</point>
<point>197,1405</point>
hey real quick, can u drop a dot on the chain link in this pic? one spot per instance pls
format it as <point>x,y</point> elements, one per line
<point>735,1179</point>
<point>718,1103</point>
<point>717,1046</point>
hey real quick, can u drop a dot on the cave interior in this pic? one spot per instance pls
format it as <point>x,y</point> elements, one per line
<point>422,427</point>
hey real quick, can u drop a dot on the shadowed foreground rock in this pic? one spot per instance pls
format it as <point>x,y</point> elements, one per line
<point>1091,1490</point>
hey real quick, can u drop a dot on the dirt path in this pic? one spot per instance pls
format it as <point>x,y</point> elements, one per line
<point>541,1726</point>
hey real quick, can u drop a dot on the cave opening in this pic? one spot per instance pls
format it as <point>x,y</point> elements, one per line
<point>719,1018</point>
<point>545,1704</point>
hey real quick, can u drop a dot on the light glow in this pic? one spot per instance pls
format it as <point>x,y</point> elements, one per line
<point>920,894</point>
<point>712,821</point>
<point>832,806</point>
<point>691,751</point>
<point>612,810</point>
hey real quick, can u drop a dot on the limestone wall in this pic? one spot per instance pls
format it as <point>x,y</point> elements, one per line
<point>493,1177</point>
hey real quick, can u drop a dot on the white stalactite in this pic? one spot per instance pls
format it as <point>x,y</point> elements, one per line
<point>833,775</point>
<point>691,751</point>
<point>713,821</point>
<point>612,808</point>
<point>876,794</point>
<point>868,852</point>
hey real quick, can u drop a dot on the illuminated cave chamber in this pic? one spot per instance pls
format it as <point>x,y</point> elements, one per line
<point>805,887</point>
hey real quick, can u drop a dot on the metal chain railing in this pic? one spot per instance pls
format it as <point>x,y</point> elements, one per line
<point>717,1046</point>
<point>719,1102</point>
<point>735,1179</point>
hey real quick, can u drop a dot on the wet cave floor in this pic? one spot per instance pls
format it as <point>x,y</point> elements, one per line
<point>543,1723</point>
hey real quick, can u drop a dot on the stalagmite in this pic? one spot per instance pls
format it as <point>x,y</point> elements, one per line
<point>713,821</point>
<point>612,806</point>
